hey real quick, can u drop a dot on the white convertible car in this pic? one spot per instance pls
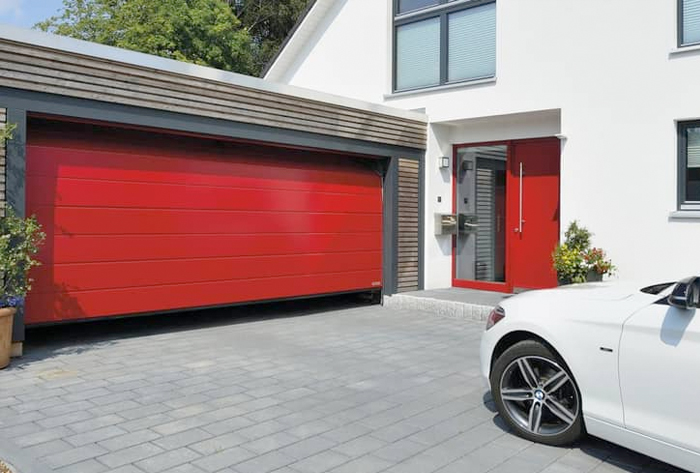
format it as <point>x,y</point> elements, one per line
<point>618,361</point>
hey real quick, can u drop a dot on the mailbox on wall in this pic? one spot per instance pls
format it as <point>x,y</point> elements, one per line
<point>445,224</point>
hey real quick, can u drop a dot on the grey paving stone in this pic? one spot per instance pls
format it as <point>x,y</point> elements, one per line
<point>308,447</point>
<point>219,443</point>
<point>270,442</point>
<point>364,464</point>
<point>320,462</point>
<point>87,466</point>
<point>360,446</point>
<point>182,439</point>
<point>167,460</point>
<point>224,459</point>
<point>130,455</point>
<point>44,435</point>
<point>271,461</point>
<point>129,440</point>
<point>95,436</point>
<point>74,455</point>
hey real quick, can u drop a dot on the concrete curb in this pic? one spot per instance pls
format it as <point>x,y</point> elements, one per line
<point>443,308</point>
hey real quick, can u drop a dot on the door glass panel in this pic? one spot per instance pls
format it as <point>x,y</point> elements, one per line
<point>481,208</point>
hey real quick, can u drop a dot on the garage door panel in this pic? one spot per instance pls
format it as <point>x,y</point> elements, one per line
<point>214,172</point>
<point>192,223</point>
<point>77,305</point>
<point>91,193</point>
<point>103,248</point>
<point>101,221</point>
<point>116,275</point>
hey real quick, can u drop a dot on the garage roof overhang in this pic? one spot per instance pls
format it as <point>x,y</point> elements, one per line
<point>49,64</point>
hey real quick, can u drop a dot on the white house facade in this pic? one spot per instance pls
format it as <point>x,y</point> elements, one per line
<point>547,111</point>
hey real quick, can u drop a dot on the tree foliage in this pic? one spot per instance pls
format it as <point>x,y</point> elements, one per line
<point>268,22</point>
<point>233,35</point>
<point>204,32</point>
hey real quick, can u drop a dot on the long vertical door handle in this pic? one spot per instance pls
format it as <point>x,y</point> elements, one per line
<point>520,222</point>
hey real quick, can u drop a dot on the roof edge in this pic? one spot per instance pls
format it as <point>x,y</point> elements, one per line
<point>291,33</point>
<point>156,63</point>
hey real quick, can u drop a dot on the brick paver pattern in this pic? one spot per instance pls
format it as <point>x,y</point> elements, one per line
<point>357,389</point>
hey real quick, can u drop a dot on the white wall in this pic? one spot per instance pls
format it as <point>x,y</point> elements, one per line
<point>607,71</point>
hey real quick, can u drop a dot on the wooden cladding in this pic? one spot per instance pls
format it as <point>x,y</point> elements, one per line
<point>40,69</point>
<point>3,162</point>
<point>408,228</point>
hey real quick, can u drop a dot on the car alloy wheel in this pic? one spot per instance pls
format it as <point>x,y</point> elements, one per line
<point>536,394</point>
<point>539,395</point>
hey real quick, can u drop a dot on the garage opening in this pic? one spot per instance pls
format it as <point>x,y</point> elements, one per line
<point>143,222</point>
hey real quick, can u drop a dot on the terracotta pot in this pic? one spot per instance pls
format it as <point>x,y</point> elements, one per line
<point>7,315</point>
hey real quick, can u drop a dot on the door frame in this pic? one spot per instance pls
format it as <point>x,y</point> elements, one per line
<point>507,285</point>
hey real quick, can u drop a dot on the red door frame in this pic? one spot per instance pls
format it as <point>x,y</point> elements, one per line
<point>507,286</point>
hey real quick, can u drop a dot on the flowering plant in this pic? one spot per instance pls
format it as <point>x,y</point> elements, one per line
<point>576,261</point>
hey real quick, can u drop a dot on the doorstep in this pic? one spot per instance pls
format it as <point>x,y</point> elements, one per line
<point>453,302</point>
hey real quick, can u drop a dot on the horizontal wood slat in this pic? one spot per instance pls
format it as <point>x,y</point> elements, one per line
<point>40,69</point>
<point>408,220</point>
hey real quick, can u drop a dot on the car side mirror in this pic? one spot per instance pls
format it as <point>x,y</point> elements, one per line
<point>686,294</point>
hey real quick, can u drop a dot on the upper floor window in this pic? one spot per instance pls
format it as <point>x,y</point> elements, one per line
<point>689,165</point>
<point>689,22</point>
<point>440,42</point>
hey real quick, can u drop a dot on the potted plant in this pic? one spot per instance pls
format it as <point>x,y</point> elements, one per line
<point>20,240</point>
<point>576,261</point>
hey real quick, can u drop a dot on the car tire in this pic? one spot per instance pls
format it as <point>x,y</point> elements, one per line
<point>536,394</point>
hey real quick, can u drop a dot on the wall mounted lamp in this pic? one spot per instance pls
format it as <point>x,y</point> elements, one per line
<point>444,162</point>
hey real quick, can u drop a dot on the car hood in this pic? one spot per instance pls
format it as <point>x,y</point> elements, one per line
<point>605,300</point>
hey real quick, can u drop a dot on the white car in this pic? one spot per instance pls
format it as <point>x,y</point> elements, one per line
<point>618,361</point>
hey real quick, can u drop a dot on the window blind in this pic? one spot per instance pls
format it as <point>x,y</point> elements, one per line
<point>410,5</point>
<point>418,54</point>
<point>472,43</point>
<point>693,152</point>
<point>691,21</point>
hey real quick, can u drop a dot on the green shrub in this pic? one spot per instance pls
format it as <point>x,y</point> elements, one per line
<point>20,240</point>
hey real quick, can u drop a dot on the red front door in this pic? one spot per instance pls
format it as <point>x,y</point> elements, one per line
<point>509,193</point>
<point>533,213</point>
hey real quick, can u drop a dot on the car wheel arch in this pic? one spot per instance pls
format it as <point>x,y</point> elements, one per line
<point>517,336</point>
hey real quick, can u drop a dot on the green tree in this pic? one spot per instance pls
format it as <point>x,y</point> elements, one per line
<point>268,22</point>
<point>205,32</point>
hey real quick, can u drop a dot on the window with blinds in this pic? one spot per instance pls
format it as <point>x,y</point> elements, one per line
<point>690,163</point>
<point>690,22</point>
<point>438,42</point>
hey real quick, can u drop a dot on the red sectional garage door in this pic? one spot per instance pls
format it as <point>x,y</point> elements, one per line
<point>138,222</point>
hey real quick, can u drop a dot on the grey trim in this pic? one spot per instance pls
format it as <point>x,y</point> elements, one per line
<point>390,223</point>
<point>421,224</point>
<point>300,20</point>
<point>679,26</point>
<point>683,160</point>
<point>15,186</point>
<point>125,114</point>
<point>441,11</point>
<point>679,23</point>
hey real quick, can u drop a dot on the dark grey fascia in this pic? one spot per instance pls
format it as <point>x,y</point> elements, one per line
<point>15,161</point>
<point>37,102</point>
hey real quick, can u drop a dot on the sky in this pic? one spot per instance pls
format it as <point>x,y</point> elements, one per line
<point>27,12</point>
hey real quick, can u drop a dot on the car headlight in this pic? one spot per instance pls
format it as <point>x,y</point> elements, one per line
<point>496,315</point>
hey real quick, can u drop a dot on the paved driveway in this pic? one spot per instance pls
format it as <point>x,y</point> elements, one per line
<point>340,388</point>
